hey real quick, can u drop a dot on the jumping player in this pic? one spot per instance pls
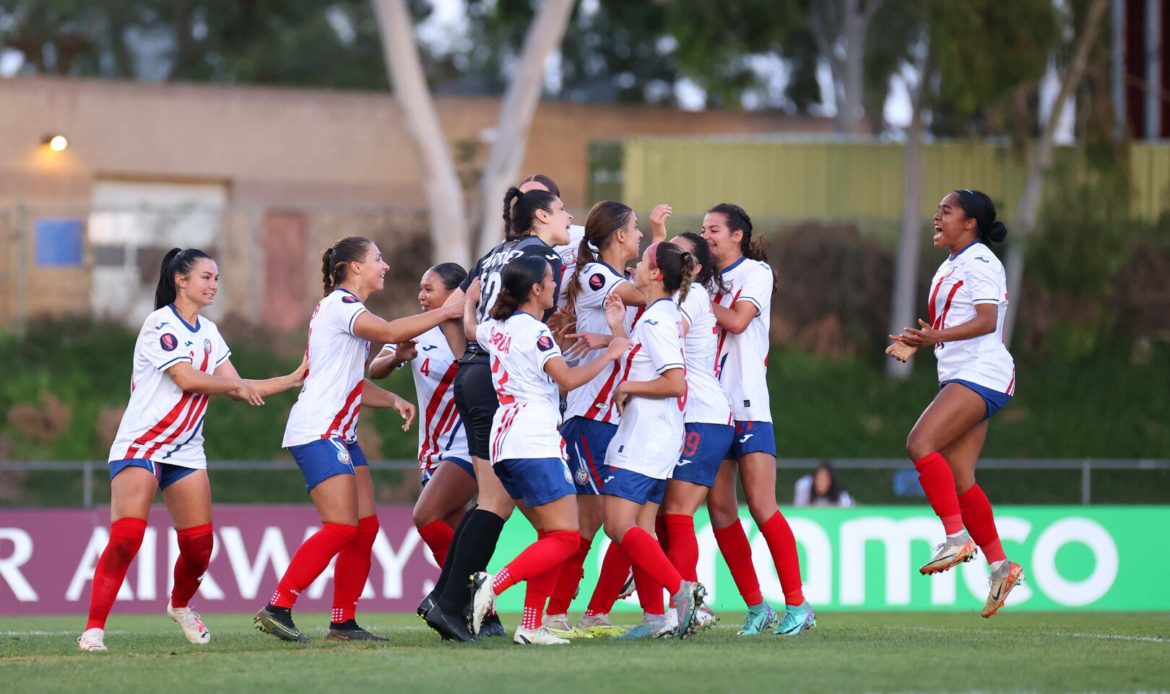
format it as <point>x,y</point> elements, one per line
<point>321,435</point>
<point>527,369</point>
<point>446,489</point>
<point>977,378</point>
<point>743,314</point>
<point>179,361</point>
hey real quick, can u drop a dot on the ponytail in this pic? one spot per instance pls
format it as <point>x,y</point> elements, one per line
<point>520,211</point>
<point>603,221</point>
<point>677,267</point>
<point>516,280</point>
<point>176,262</point>
<point>709,274</point>
<point>978,206</point>
<point>336,259</point>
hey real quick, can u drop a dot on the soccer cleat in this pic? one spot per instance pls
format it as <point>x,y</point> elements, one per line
<point>949,555</point>
<point>492,626</point>
<point>450,627</point>
<point>759,619</point>
<point>193,627</point>
<point>92,640</point>
<point>797,620</point>
<point>350,631</point>
<point>483,599</point>
<point>537,637</point>
<point>686,602</point>
<point>1000,587</point>
<point>558,625</point>
<point>599,626</point>
<point>424,607</point>
<point>278,622</point>
<point>704,619</point>
<point>627,587</point>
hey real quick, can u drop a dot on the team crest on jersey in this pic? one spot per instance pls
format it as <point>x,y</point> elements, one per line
<point>582,476</point>
<point>168,342</point>
<point>349,299</point>
<point>544,343</point>
<point>207,346</point>
<point>596,281</point>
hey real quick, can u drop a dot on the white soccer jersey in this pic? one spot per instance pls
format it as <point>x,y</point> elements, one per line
<point>974,276</point>
<point>706,401</point>
<point>331,398</point>
<point>441,434</point>
<point>650,435</point>
<point>594,400</point>
<point>525,425</point>
<point>568,252</point>
<point>742,359</point>
<point>162,423</point>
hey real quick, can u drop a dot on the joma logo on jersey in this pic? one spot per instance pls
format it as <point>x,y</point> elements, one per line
<point>427,348</point>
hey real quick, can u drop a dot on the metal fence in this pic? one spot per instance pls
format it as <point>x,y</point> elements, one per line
<point>1085,467</point>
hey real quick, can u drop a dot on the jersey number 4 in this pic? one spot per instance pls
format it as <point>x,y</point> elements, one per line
<point>425,369</point>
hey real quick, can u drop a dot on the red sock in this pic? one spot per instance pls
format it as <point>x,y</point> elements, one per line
<point>937,480</point>
<point>352,569</point>
<point>536,592</point>
<point>645,554</point>
<point>615,567</point>
<point>545,554</point>
<point>438,536</point>
<point>125,539</point>
<point>649,592</point>
<point>782,544</point>
<point>733,545</point>
<point>683,545</point>
<point>310,560</point>
<point>569,579</point>
<point>980,522</point>
<point>195,546</point>
<point>660,532</point>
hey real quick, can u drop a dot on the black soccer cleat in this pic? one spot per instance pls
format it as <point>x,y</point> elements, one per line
<point>278,622</point>
<point>492,626</point>
<point>450,627</point>
<point>350,631</point>
<point>424,607</point>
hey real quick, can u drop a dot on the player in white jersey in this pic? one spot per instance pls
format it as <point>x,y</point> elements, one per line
<point>528,373</point>
<point>180,360</point>
<point>321,435</point>
<point>743,313</point>
<point>611,241</point>
<point>644,451</point>
<point>977,377</point>
<point>535,221</point>
<point>441,436</point>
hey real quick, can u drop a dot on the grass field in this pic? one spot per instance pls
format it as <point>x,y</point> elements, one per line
<point>846,652</point>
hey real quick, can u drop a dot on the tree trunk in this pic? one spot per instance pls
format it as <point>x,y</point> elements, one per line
<point>502,168</point>
<point>449,230</point>
<point>902,313</point>
<point>1024,222</point>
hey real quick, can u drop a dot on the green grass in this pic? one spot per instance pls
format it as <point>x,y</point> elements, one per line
<point>846,652</point>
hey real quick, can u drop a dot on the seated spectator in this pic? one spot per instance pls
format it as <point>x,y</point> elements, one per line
<point>821,488</point>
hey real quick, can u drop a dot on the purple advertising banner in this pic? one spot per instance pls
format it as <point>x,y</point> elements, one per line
<point>47,560</point>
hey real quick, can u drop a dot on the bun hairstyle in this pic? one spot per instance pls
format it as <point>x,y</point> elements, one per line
<point>676,265</point>
<point>601,224</point>
<point>978,206</point>
<point>516,282</point>
<point>336,259</point>
<point>177,261</point>
<point>450,274</point>
<point>545,181</point>
<point>738,219</point>
<point>520,211</point>
<point>709,275</point>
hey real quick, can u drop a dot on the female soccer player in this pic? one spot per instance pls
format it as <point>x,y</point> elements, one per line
<point>611,241</point>
<point>321,435</point>
<point>645,449</point>
<point>533,221</point>
<point>527,369</point>
<point>441,437</point>
<point>977,377</point>
<point>179,360</point>
<point>743,314</point>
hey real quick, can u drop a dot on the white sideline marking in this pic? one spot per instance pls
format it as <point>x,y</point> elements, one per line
<point>1072,634</point>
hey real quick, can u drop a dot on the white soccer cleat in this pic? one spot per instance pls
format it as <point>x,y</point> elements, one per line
<point>193,627</point>
<point>92,640</point>
<point>483,599</point>
<point>537,637</point>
